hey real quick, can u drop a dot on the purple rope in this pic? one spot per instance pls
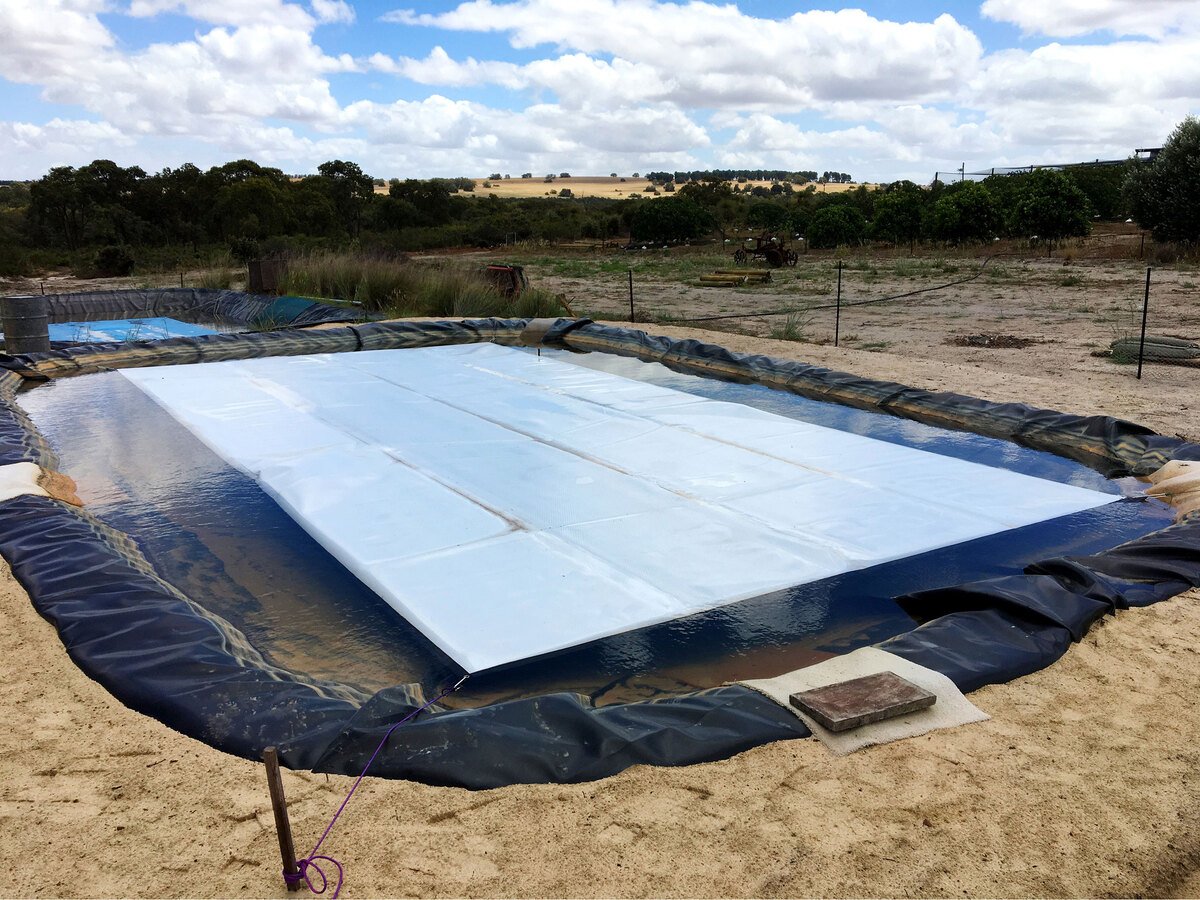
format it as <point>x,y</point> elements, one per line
<point>309,863</point>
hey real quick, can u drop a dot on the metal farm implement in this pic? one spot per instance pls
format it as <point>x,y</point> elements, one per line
<point>769,247</point>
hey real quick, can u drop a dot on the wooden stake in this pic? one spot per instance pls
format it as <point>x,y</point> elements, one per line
<point>283,827</point>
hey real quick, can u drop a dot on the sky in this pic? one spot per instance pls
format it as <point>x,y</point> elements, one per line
<point>884,90</point>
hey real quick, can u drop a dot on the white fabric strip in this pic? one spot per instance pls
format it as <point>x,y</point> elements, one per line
<point>510,505</point>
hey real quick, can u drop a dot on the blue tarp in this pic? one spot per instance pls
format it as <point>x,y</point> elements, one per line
<point>155,328</point>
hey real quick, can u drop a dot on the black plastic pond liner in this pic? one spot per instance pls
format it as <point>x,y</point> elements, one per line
<point>90,358</point>
<point>214,305</point>
<point>164,655</point>
<point>1111,446</point>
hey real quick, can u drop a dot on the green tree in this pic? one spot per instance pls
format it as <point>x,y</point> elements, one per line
<point>1051,206</point>
<point>431,199</point>
<point>768,216</point>
<point>58,210</point>
<point>965,211</point>
<point>1164,195</point>
<point>254,207</point>
<point>898,213</point>
<point>670,219</point>
<point>835,226</point>
<point>186,202</point>
<point>315,209</point>
<point>14,203</point>
<point>350,190</point>
<point>1102,185</point>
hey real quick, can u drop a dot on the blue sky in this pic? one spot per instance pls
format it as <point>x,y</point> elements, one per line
<point>883,90</point>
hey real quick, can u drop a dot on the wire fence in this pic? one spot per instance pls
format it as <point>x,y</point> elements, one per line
<point>1089,300</point>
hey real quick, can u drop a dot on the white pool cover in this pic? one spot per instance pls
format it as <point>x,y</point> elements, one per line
<point>510,505</point>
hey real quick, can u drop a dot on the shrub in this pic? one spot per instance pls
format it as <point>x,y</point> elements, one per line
<point>244,249</point>
<point>113,261</point>
<point>401,288</point>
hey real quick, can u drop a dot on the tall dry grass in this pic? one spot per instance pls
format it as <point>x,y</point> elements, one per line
<point>402,288</point>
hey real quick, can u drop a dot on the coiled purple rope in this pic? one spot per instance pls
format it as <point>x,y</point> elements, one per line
<point>309,863</point>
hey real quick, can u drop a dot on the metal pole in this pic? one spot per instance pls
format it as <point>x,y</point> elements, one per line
<point>631,295</point>
<point>1142,248</point>
<point>837,316</point>
<point>283,828</point>
<point>1145,312</point>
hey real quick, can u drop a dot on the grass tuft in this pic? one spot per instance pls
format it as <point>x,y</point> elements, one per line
<point>400,288</point>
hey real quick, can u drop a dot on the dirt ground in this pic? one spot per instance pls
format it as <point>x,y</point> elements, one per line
<point>1083,783</point>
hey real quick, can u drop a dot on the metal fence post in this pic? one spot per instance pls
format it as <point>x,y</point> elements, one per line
<point>631,295</point>
<point>837,315</point>
<point>1145,312</point>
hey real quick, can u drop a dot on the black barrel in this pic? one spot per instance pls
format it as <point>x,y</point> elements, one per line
<point>26,324</point>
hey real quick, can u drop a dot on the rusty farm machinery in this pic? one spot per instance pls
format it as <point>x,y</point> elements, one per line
<point>771,248</point>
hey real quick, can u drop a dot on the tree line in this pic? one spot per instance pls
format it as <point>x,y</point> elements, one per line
<point>743,175</point>
<point>255,210</point>
<point>1046,204</point>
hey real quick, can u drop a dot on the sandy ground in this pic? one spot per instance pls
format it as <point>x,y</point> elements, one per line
<point>1084,783</point>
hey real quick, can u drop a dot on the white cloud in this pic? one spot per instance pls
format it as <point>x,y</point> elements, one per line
<point>1089,100</point>
<point>333,11</point>
<point>229,12</point>
<point>439,69</point>
<point>543,130</point>
<point>40,35</point>
<point>24,146</point>
<point>1070,18</point>
<point>201,87</point>
<point>701,55</point>
<point>598,85</point>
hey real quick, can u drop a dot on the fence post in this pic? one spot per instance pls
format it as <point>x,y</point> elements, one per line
<point>837,315</point>
<point>1145,312</point>
<point>631,319</point>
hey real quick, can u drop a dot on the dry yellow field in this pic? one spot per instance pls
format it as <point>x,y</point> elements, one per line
<point>594,186</point>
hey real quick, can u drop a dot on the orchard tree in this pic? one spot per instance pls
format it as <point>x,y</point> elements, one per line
<point>1102,184</point>
<point>836,225</point>
<point>1164,195</point>
<point>965,212</point>
<point>1050,205</point>
<point>767,216</point>
<point>671,219</point>
<point>898,213</point>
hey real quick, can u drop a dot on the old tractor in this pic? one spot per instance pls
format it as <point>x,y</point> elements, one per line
<point>769,247</point>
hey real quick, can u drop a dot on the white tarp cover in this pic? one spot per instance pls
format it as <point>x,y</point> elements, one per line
<point>509,505</point>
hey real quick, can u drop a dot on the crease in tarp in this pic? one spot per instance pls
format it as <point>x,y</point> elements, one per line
<point>200,676</point>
